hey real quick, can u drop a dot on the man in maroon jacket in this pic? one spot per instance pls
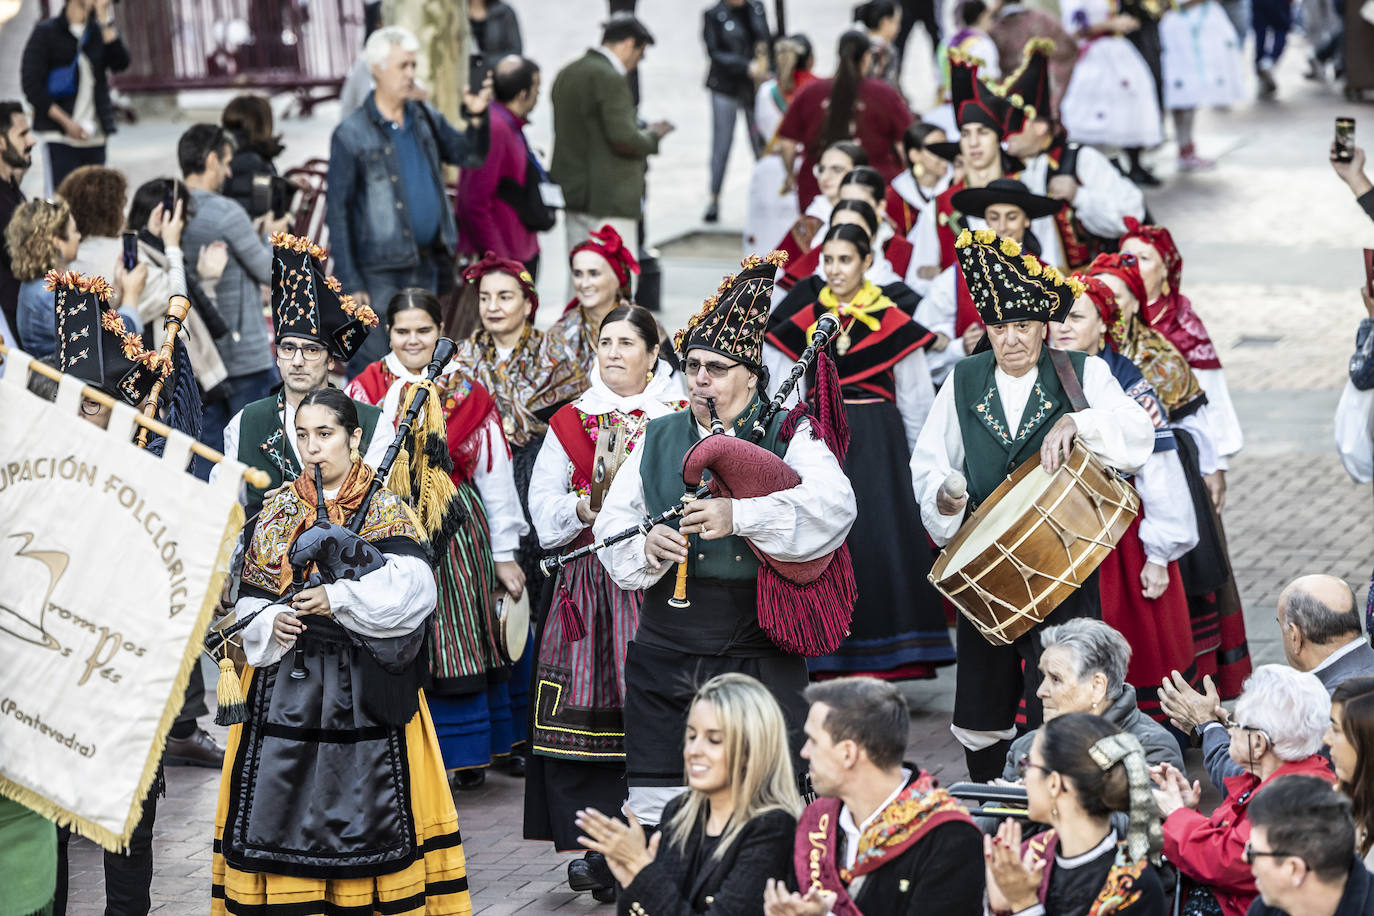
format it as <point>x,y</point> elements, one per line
<point>486,222</point>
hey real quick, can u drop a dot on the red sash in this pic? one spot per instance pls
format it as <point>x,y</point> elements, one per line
<point>944,213</point>
<point>1173,316</point>
<point>566,424</point>
<point>966,313</point>
<point>918,809</point>
<point>898,252</point>
<point>902,214</point>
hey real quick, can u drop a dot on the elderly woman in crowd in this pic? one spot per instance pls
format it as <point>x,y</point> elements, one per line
<point>1350,737</point>
<point>1276,731</point>
<point>1080,772</point>
<point>1084,668</point>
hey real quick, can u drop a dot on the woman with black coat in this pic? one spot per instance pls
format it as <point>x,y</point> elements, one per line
<point>248,119</point>
<point>63,72</point>
<point>732,830</point>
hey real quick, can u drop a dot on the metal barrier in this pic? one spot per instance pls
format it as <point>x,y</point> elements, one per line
<point>297,46</point>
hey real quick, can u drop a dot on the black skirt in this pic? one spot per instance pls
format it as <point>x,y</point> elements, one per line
<point>1205,568</point>
<point>899,627</point>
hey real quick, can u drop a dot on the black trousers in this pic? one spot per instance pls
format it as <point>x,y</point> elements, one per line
<point>990,681</point>
<point>64,159</point>
<point>128,877</point>
<point>913,12</point>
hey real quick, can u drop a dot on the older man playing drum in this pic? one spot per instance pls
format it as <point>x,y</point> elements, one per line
<point>999,410</point>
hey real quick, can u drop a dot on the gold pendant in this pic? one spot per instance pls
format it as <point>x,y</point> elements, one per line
<point>842,342</point>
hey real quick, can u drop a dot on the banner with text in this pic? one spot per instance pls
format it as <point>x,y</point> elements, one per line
<point>111,563</point>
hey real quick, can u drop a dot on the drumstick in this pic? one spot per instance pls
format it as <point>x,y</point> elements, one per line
<point>955,486</point>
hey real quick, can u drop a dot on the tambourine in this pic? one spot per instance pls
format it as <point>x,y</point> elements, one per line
<point>512,625</point>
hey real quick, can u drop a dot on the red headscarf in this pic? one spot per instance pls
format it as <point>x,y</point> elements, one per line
<point>1162,241</point>
<point>1125,269</point>
<point>1102,296</point>
<point>1172,314</point>
<point>491,264</point>
<point>608,243</point>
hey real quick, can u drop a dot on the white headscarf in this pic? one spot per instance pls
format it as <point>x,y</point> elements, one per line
<point>656,400</point>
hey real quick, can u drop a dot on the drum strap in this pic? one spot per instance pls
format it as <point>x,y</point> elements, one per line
<point>1072,386</point>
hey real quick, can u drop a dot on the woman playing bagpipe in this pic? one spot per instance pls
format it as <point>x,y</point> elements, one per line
<point>333,794</point>
<point>578,739</point>
<point>477,714</point>
<point>899,627</point>
<point>1142,590</point>
<point>1219,642</point>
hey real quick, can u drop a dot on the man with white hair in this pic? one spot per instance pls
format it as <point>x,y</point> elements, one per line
<point>389,223</point>
<point>1276,732</point>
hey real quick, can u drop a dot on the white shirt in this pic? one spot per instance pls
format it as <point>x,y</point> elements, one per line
<point>1113,427</point>
<point>908,190</point>
<point>853,832</point>
<point>1221,414</point>
<point>373,454</point>
<point>1168,523</point>
<point>615,61</point>
<point>938,312</point>
<point>1339,654</point>
<point>391,601</point>
<point>1105,197</point>
<point>1354,426</point>
<point>803,523</point>
<point>493,476</point>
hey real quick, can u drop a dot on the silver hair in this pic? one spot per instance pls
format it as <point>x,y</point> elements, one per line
<point>379,43</point>
<point>1315,620</point>
<point>1291,707</point>
<point>1094,646</point>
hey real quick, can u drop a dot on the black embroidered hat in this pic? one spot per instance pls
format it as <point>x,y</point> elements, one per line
<point>975,201</point>
<point>307,302</point>
<point>1009,285</point>
<point>732,321</point>
<point>1027,91</point>
<point>94,345</point>
<point>974,101</point>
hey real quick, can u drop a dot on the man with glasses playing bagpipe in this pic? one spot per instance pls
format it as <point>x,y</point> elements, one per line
<point>750,580</point>
<point>313,324</point>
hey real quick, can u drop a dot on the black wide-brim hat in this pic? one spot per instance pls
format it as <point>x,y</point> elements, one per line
<point>975,201</point>
<point>948,150</point>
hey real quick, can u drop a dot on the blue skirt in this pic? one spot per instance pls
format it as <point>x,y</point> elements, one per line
<point>476,728</point>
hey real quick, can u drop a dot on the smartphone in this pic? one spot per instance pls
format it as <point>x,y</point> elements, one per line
<point>477,71</point>
<point>169,200</point>
<point>1345,139</point>
<point>262,194</point>
<point>130,250</point>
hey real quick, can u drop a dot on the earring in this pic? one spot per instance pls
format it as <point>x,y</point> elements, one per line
<point>355,456</point>
<point>649,377</point>
<point>918,170</point>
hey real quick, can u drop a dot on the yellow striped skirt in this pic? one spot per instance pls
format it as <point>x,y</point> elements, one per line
<point>435,885</point>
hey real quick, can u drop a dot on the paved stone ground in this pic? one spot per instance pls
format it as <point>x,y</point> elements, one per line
<point>1271,242</point>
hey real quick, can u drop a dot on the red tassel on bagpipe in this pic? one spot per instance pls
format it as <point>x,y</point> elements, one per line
<point>811,619</point>
<point>828,408</point>
<point>569,617</point>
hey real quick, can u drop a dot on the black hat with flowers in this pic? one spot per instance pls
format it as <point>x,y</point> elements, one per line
<point>732,321</point>
<point>94,345</point>
<point>308,303</point>
<point>1027,91</point>
<point>1007,284</point>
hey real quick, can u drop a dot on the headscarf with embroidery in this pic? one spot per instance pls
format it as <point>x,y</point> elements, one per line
<point>1172,313</point>
<point>608,243</point>
<point>1125,268</point>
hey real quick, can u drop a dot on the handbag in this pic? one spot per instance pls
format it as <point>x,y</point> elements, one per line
<point>62,81</point>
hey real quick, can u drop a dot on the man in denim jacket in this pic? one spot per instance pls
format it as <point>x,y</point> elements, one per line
<point>390,225</point>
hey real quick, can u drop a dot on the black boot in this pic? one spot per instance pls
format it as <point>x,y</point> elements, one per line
<point>591,873</point>
<point>986,765</point>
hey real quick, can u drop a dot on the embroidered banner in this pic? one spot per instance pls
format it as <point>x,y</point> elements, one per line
<point>111,563</point>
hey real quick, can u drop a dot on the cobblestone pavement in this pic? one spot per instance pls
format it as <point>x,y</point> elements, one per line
<point>1270,240</point>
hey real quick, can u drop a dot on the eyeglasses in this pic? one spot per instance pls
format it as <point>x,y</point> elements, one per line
<point>311,353</point>
<point>818,170</point>
<point>1024,765</point>
<point>1248,728</point>
<point>1250,854</point>
<point>91,407</point>
<point>713,369</point>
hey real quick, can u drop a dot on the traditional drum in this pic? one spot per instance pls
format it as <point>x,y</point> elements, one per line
<point>512,624</point>
<point>1032,542</point>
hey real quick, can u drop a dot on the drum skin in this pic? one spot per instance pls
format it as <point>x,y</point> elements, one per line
<point>512,625</point>
<point>1040,556</point>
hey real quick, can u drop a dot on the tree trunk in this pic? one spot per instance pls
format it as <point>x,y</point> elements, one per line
<point>442,28</point>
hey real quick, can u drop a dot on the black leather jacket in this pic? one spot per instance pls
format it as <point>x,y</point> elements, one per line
<point>731,49</point>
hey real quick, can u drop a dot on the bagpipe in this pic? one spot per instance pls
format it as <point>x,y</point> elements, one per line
<point>331,552</point>
<point>806,607</point>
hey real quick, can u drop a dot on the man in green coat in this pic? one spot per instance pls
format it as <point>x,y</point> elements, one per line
<point>600,151</point>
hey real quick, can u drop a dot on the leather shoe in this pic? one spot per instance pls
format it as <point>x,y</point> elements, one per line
<point>591,873</point>
<point>515,766</point>
<point>712,214</point>
<point>198,750</point>
<point>468,780</point>
<point>604,895</point>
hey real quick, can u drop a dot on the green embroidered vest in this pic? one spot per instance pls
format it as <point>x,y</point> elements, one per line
<point>264,444</point>
<point>992,449</point>
<point>666,441</point>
